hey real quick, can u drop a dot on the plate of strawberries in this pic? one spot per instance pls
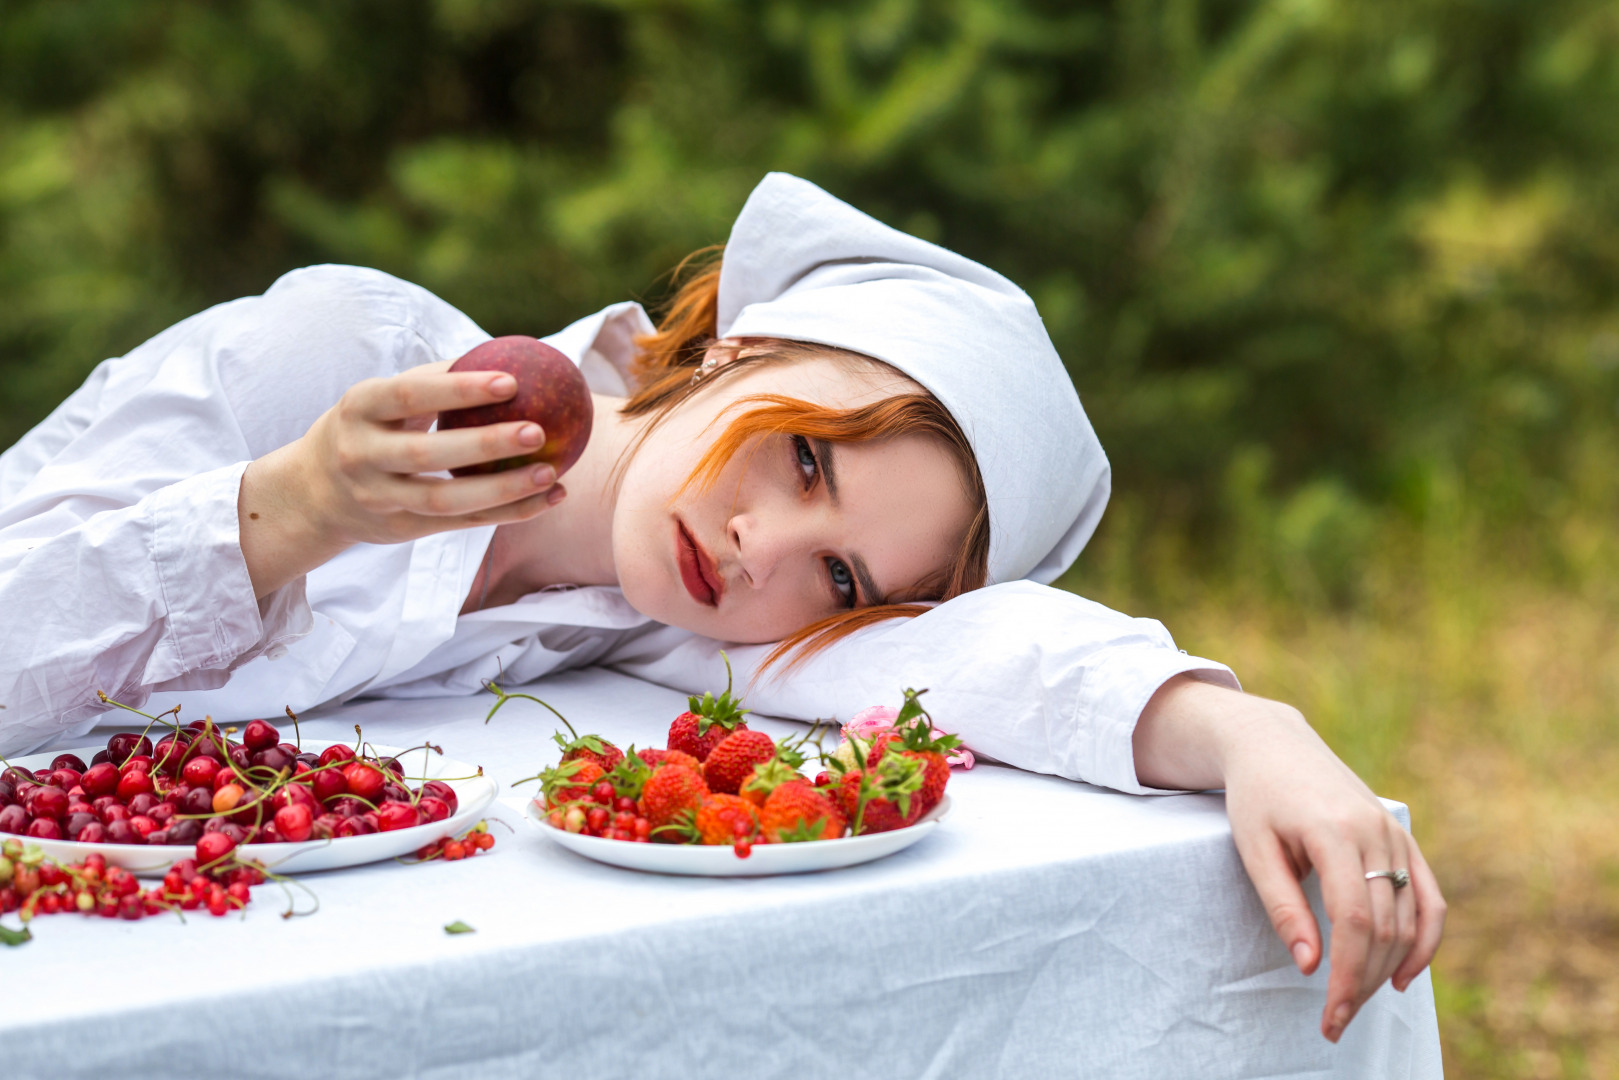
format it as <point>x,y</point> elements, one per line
<point>725,800</point>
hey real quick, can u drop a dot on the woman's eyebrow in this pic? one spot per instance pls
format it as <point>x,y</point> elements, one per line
<point>873,594</point>
<point>829,469</point>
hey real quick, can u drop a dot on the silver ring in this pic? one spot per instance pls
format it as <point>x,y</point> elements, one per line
<point>1401,878</point>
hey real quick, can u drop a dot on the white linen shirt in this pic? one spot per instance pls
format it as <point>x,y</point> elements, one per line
<point>121,568</point>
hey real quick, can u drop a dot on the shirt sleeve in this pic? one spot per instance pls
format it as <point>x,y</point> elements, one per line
<point>120,558</point>
<point>1028,675</point>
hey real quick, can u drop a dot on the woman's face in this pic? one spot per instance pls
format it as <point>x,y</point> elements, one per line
<point>793,530</point>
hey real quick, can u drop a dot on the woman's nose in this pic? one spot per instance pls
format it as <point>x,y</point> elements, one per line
<point>764,543</point>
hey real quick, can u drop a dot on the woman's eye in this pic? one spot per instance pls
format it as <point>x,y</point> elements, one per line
<point>806,459</point>
<point>842,580</point>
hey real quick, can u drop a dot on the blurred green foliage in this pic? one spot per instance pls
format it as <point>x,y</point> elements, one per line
<point>1317,266</point>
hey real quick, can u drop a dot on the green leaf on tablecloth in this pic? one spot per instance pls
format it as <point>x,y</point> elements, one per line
<point>459,927</point>
<point>15,937</point>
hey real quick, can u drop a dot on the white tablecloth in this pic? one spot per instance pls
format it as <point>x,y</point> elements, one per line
<point>1046,929</point>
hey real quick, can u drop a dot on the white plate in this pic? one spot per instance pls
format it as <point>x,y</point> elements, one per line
<point>473,797</point>
<point>722,861</point>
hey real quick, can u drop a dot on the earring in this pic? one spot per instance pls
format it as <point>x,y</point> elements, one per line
<point>707,367</point>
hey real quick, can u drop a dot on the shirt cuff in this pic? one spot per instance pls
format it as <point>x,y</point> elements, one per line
<point>213,620</point>
<point>1111,699</point>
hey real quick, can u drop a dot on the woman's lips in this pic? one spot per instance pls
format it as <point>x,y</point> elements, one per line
<point>697,569</point>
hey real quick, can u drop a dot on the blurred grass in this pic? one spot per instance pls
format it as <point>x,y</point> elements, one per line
<point>1485,699</point>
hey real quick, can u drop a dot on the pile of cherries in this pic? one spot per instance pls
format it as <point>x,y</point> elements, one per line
<point>33,884</point>
<point>199,780</point>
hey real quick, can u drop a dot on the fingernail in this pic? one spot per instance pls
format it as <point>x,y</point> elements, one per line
<point>543,476</point>
<point>557,495</point>
<point>502,384</point>
<point>530,434</point>
<point>1340,1020</point>
<point>1301,954</point>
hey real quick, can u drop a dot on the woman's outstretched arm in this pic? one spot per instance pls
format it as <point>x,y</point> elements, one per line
<point>1294,807</point>
<point>1047,681</point>
<point>130,557</point>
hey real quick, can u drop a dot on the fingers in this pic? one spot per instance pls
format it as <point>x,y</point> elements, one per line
<point>1374,924</point>
<point>1430,918</point>
<point>1349,905</point>
<point>434,497</point>
<point>420,452</point>
<point>1277,883</point>
<point>418,392</point>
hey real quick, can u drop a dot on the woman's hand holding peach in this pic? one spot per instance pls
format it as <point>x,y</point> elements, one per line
<point>362,474</point>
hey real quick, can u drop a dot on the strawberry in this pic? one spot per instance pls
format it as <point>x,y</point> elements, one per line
<point>912,737</point>
<point>732,761</point>
<point>765,778</point>
<point>590,748</point>
<point>655,757</point>
<point>569,782</point>
<point>879,747</point>
<point>727,819</point>
<point>709,720</point>
<point>673,790</point>
<point>885,797</point>
<point>795,812</point>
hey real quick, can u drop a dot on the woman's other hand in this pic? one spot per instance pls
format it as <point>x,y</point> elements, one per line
<point>359,475</point>
<point>1294,807</point>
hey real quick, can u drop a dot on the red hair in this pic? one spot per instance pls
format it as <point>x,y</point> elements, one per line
<point>665,366</point>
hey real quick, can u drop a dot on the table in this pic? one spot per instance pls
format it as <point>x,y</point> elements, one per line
<point>1047,929</point>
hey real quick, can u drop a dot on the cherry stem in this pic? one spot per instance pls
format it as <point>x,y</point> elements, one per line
<point>297,735</point>
<point>495,689</point>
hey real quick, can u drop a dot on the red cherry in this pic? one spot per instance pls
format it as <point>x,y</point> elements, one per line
<point>597,818</point>
<point>364,780</point>
<point>44,828</point>
<point>353,826</point>
<point>13,819</point>
<point>124,745</point>
<point>100,779</point>
<point>143,762</point>
<point>65,779</point>
<point>119,831</point>
<point>272,757</point>
<point>133,783</point>
<point>328,784</point>
<point>433,808</point>
<point>68,761</point>
<point>214,846</point>
<point>440,790</point>
<point>397,815</point>
<point>296,795</point>
<point>260,735</point>
<point>93,832</point>
<point>199,771</point>
<point>49,801</point>
<point>294,823</point>
<point>603,792</point>
<point>112,812</point>
<point>335,753</point>
<point>143,825</point>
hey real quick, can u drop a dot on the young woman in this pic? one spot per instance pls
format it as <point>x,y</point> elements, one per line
<point>850,456</point>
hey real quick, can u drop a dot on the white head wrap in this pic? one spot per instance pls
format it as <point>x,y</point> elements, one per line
<point>805,266</point>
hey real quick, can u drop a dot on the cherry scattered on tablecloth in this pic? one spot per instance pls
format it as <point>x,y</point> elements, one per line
<point>200,780</point>
<point>32,883</point>
<point>451,848</point>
